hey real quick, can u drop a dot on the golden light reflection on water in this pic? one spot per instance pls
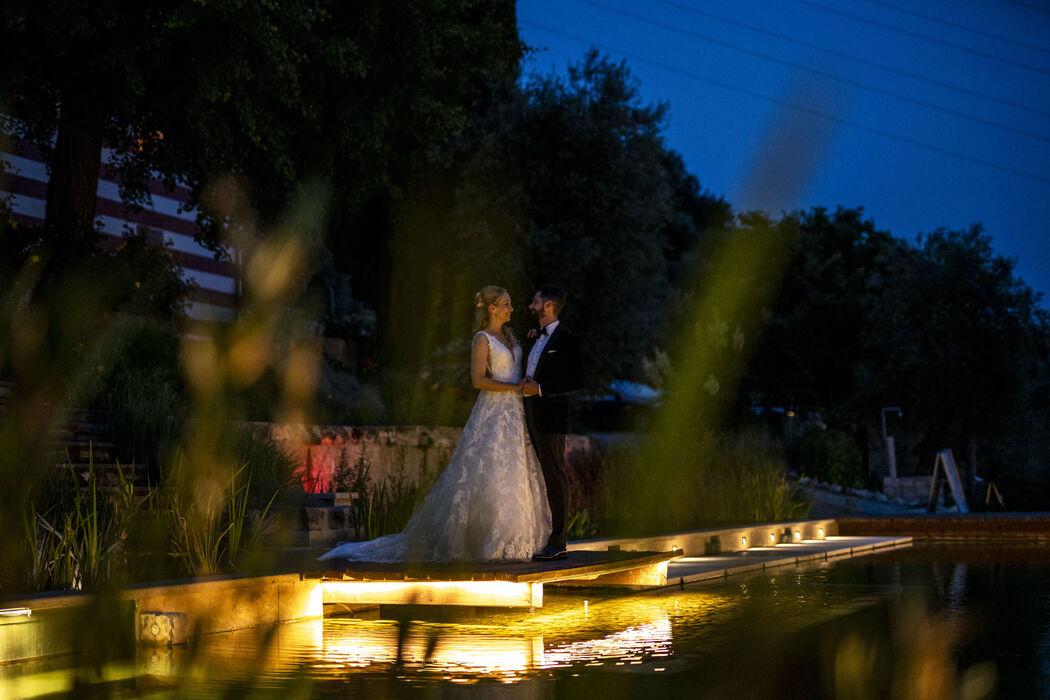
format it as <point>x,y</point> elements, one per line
<point>438,648</point>
<point>504,644</point>
<point>569,631</point>
<point>632,645</point>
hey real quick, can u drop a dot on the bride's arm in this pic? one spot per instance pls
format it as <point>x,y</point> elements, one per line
<point>479,357</point>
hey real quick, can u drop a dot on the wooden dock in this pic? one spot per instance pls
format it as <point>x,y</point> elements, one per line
<point>496,584</point>
<point>709,568</point>
<point>362,584</point>
<point>589,565</point>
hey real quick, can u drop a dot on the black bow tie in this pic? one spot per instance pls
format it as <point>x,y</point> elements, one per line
<point>543,331</point>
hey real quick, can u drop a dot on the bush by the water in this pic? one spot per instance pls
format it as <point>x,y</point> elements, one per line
<point>730,479</point>
<point>828,455</point>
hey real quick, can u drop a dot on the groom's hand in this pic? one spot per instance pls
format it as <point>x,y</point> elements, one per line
<point>531,388</point>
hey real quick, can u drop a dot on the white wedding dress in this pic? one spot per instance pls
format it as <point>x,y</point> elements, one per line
<point>490,502</point>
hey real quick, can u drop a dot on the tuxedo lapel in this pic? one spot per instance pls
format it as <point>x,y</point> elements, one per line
<point>551,342</point>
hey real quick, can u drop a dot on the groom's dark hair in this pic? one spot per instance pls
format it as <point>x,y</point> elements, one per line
<point>554,294</point>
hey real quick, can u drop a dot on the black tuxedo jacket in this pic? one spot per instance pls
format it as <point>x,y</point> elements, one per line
<point>559,372</point>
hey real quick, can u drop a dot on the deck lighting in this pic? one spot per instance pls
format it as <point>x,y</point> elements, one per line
<point>820,532</point>
<point>16,612</point>
<point>772,538</point>
<point>798,536</point>
<point>743,541</point>
<point>498,593</point>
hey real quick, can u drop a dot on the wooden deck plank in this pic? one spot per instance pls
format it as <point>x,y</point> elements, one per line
<point>577,565</point>
<point>693,569</point>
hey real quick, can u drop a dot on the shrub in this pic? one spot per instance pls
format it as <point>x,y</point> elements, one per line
<point>732,479</point>
<point>267,468</point>
<point>828,455</point>
<point>143,396</point>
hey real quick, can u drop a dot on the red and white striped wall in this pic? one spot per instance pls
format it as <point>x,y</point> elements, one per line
<point>216,282</point>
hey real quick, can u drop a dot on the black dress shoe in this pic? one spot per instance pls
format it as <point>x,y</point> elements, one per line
<point>550,553</point>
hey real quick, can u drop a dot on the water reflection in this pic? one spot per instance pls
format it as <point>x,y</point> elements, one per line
<point>868,628</point>
<point>508,645</point>
<point>437,648</point>
<point>632,645</point>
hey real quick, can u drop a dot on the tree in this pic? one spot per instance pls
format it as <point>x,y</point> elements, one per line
<point>942,328</point>
<point>978,343</point>
<point>277,92</point>
<point>813,348</point>
<point>563,180</point>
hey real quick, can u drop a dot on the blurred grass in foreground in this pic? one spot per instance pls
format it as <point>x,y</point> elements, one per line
<point>66,338</point>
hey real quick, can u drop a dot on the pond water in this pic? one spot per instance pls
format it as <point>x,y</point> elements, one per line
<point>931,621</point>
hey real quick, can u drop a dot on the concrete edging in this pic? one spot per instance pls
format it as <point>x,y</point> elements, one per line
<point>164,613</point>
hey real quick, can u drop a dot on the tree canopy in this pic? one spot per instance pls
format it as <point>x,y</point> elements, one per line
<point>560,180</point>
<point>941,327</point>
<point>276,92</point>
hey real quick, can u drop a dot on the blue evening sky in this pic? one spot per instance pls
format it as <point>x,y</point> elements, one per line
<point>926,114</point>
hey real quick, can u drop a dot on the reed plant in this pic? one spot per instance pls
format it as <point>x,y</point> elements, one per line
<point>77,537</point>
<point>730,479</point>
<point>385,506</point>
<point>212,530</point>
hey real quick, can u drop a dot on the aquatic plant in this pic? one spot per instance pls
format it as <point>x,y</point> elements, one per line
<point>75,533</point>
<point>729,479</point>
<point>212,531</point>
<point>381,507</point>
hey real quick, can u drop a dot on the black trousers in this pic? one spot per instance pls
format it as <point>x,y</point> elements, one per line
<point>550,450</point>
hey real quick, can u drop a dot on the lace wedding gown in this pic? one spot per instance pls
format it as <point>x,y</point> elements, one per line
<point>490,502</point>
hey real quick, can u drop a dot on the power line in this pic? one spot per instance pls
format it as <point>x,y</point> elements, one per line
<point>801,108</point>
<point>1029,6</point>
<point>823,74</point>
<point>947,23</point>
<point>906,32</point>
<point>857,59</point>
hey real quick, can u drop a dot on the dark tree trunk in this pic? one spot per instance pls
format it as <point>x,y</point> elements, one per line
<point>73,185</point>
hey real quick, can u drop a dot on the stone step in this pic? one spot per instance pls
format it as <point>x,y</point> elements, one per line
<point>109,473</point>
<point>86,415</point>
<point>81,433</point>
<point>139,492</point>
<point>80,451</point>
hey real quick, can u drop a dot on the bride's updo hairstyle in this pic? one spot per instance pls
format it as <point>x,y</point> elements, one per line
<point>483,299</point>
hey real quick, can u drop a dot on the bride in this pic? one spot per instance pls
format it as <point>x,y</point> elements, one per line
<point>490,502</point>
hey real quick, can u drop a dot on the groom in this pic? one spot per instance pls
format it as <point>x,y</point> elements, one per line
<point>554,369</point>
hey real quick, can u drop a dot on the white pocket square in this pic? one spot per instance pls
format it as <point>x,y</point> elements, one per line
<point>551,352</point>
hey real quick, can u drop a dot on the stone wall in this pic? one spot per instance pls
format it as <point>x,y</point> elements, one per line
<point>910,489</point>
<point>414,452</point>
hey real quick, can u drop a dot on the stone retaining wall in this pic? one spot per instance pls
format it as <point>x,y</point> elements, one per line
<point>413,452</point>
<point>911,489</point>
